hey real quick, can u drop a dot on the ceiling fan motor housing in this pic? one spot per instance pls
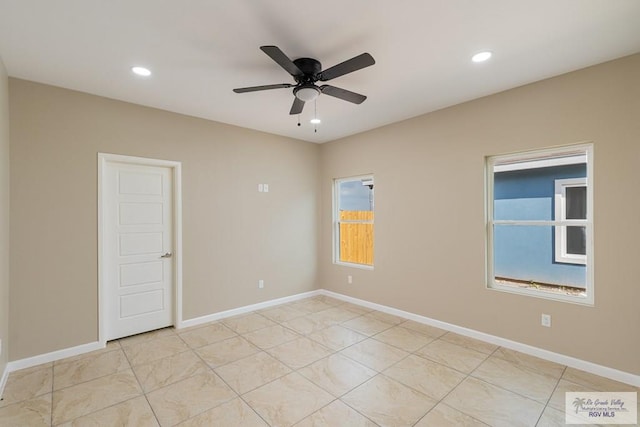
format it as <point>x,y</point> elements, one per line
<point>306,90</point>
<point>310,67</point>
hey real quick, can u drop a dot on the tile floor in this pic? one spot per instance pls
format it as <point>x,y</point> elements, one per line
<point>314,362</point>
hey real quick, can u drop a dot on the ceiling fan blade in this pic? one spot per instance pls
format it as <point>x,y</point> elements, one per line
<point>349,66</point>
<point>266,87</point>
<point>283,60</point>
<point>343,94</point>
<point>297,106</point>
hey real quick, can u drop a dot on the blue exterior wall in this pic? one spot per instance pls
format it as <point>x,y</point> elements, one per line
<point>528,252</point>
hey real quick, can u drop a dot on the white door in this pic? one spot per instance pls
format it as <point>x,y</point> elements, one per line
<point>138,260</point>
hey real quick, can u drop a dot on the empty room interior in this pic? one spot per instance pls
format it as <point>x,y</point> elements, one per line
<point>364,213</point>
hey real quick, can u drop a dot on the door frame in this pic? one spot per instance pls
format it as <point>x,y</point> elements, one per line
<point>176,167</point>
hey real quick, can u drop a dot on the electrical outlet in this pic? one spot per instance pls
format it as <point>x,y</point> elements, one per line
<point>546,320</point>
<point>265,188</point>
<point>260,284</point>
<point>260,188</point>
<point>349,279</point>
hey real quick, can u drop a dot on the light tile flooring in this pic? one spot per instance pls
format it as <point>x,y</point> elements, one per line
<point>314,362</point>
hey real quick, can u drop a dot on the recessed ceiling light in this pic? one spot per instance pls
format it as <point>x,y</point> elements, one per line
<point>315,121</point>
<point>481,56</point>
<point>141,71</point>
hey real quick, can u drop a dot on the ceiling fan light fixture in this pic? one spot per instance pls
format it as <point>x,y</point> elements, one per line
<point>306,93</point>
<point>315,121</point>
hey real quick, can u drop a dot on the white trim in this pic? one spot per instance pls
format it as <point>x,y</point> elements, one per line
<point>582,151</point>
<point>246,309</point>
<point>103,159</point>
<point>53,356</point>
<point>537,293</point>
<point>354,265</point>
<point>603,371</point>
<point>515,165</point>
<point>560,208</point>
<point>3,379</point>
<point>177,241</point>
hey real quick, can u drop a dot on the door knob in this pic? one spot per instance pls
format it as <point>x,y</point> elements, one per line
<point>167,255</point>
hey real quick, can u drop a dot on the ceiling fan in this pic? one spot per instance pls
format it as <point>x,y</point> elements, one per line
<point>307,71</point>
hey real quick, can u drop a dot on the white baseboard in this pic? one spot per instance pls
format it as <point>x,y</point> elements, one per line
<point>603,371</point>
<point>3,379</point>
<point>30,362</point>
<point>53,356</point>
<point>246,309</point>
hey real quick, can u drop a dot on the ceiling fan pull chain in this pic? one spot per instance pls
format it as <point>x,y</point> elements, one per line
<point>298,119</point>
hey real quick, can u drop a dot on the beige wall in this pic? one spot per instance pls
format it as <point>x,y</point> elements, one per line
<point>429,178</point>
<point>4,216</point>
<point>232,235</point>
<point>430,232</point>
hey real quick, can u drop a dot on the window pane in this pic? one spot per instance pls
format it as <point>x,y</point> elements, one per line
<point>576,202</point>
<point>576,240</point>
<point>528,194</point>
<point>356,243</point>
<point>356,195</point>
<point>524,257</point>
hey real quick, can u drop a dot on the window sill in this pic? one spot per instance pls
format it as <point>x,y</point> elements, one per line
<point>571,260</point>
<point>350,264</point>
<point>580,300</point>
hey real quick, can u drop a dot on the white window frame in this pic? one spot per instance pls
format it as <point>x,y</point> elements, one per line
<point>540,158</point>
<point>560,202</point>
<point>337,221</point>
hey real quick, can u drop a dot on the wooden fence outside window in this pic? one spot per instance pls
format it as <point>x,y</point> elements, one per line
<point>356,239</point>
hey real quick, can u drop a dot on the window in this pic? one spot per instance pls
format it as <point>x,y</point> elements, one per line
<point>571,204</point>
<point>539,223</point>
<point>353,221</point>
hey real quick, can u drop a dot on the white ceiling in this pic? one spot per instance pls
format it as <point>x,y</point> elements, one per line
<point>199,50</point>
